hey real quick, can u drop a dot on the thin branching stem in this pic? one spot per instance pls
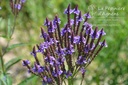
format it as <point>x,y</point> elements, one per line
<point>5,51</point>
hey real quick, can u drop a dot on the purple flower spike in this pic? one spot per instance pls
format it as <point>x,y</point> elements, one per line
<point>87,48</point>
<point>72,37</point>
<point>60,60</point>
<point>68,30</point>
<point>56,20</point>
<point>87,25</point>
<point>87,15</point>
<point>89,31</point>
<point>65,30</point>
<point>46,80</point>
<point>35,68</point>
<point>43,46</point>
<point>70,50</point>
<point>50,60</point>
<point>82,39</point>
<point>79,18</point>
<point>57,73</point>
<point>38,69</point>
<point>81,60</point>
<point>95,34</point>
<point>41,69</point>
<point>103,44</point>
<point>101,32</point>
<point>25,62</point>
<point>33,52</point>
<point>51,29</point>
<point>68,10</point>
<point>76,39</point>
<point>76,11</point>
<point>71,22</point>
<point>50,41</point>
<point>82,70</point>
<point>46,22</point>
<point>60,52</point>
<point>43,34</point>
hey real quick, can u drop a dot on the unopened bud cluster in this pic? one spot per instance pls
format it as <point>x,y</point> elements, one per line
<point>16,6</point>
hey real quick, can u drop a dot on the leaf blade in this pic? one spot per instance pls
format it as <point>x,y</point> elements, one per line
<point>11,63</point>
<point>28,80</point>
<point>18,45</point>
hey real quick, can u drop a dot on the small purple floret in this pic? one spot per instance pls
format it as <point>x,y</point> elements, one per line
<point>23,1</point>
<point>25,62</point>
<point>82,70</point>
<point>76,11</point>
<point>81,60</point>
<point>57,73</point>
<point>104,44</point>
<point>50,60</point>
<point>87,15</point>
<point>18,6</point>
<point>68,74</point>
<point>70,50</point>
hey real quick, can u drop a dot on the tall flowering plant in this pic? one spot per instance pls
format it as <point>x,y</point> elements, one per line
<point>16,6</point>
<point>66,51</point>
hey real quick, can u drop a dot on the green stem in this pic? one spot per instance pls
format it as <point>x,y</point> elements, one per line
<point>2,64</point>
<point>5,51</point>
<point>81,81</point>
<point>70,81</point>
<point>65,82</point>
<point>76,71</point>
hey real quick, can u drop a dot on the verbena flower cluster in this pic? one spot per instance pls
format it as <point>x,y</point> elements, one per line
<point>68,50</point>
<point>16,5</point>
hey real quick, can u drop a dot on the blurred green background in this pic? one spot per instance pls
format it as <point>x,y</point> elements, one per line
<point>110,67</point>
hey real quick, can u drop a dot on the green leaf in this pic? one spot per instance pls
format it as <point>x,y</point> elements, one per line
<point>4,36</point>
<point>5,79</point>
<point>17,45</point>
<point>29,81</point>
<point>11,62</point>
<point>2,82</point>
<point>9,79</point>
<point>0,51</point>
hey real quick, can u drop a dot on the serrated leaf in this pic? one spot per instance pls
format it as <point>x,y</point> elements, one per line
<point>11,63</point>
<point>27,81</point>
